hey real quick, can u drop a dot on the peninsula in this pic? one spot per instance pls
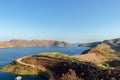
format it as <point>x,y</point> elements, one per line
<point>59,66</point>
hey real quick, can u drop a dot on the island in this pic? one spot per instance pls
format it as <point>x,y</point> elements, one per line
<point>31,43</point>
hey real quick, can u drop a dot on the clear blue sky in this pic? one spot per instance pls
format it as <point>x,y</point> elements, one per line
<point>63,20</point>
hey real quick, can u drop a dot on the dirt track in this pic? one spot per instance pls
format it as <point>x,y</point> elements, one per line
<point>41,67</point>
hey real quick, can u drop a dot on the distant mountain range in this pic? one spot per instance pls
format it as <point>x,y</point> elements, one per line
<point>113,43</point>
<point>31,43</point>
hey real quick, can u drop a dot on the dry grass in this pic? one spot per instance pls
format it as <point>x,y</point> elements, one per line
<point>88,57</point>
<point>71,75</point>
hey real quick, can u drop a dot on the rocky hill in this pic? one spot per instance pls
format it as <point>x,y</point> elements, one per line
<point>61,67</point>
<point>32,43</point>
<point>113,43</point>
<point>103,52</point>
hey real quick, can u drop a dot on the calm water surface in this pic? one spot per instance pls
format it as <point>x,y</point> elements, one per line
<point>9,54</point>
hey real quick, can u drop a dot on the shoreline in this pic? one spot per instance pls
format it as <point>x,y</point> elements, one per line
<point>42,68</point>
<point>33,47</point>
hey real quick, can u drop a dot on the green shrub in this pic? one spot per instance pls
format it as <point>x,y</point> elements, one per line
<point>45,74</point>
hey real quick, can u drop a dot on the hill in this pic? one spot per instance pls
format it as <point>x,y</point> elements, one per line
<point>113,43</point>
<point>103,51</point>
<point>102,54</point>
<point>32,43</point>
<point>57,66</point>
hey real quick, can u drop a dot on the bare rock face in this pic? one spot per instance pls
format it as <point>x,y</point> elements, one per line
<point>32,43</point>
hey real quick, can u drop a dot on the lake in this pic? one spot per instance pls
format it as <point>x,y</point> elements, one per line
<point>8,55</point>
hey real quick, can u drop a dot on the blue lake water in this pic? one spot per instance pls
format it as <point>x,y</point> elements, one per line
<point>9,54</point>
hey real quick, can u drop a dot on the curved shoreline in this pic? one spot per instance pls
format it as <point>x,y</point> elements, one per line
<point>41,67</point>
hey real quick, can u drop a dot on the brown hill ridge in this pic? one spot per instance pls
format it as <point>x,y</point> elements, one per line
<point>113,43</point>
<point>100,49</point>
<point>101,53</point>
<point>31,43</point>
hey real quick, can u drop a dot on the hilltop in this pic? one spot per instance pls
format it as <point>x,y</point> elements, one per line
<point>31,43</point>
<point>113,43</point>
<point>102,54</point>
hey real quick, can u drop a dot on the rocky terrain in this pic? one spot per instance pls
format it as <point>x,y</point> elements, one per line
<point>102,62</point>
<point>113,43</point>
<point>61,67</point>
<point>103,54</point>
<point>32,43</point>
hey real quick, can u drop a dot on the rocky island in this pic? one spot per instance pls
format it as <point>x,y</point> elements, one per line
<point>32,43</point>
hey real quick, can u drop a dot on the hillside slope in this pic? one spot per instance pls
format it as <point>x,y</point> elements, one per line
<point>104,52</point>
<point>113,43</point>
<point>60,64</point>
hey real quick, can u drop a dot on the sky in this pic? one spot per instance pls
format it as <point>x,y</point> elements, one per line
<point>63,20</point>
